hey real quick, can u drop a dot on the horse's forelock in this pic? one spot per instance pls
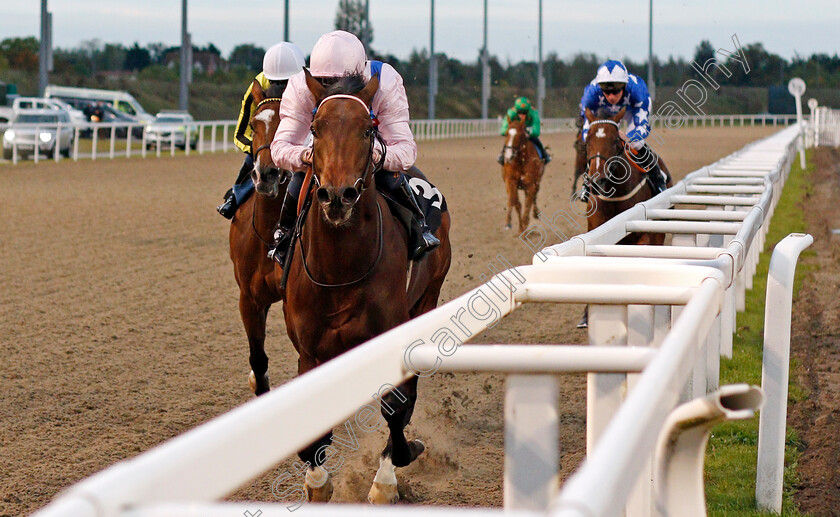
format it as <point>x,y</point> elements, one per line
<point>350,83</point>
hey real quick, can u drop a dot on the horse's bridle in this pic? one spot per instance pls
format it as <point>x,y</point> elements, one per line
<point>360,186</point>
<point>372,133</point>
<point>606,159</point>
<point>268,145</point>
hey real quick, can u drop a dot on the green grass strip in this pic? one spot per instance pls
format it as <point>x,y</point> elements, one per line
<point>732,451</point>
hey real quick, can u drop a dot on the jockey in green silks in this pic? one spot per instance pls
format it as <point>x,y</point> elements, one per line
<point>522,108</point>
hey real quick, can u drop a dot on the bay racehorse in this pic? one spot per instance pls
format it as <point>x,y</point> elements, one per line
<point>251,236</point>
<point>522,169</point>
<point>347,275</point>
<point>615,179</point>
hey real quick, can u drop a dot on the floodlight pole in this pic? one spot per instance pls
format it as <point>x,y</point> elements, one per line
<point>44,49</point>
<point>183,98</point>
<point>432,65</point>
<point>286,21</point>
<point>540,78</point>
<point>651,85</point>
<point>485,70</point>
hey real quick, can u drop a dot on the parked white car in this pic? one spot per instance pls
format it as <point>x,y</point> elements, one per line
<point>171,128</point>
<point>29,103</point>
<point>38,130</point>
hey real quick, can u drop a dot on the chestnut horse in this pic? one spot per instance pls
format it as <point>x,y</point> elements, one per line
<point>251,235</point>
<point>522,170</point>
<point>614,181</point>
<point>347,275</point>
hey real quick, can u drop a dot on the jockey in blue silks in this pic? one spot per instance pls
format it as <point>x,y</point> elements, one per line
<point>612,90</point>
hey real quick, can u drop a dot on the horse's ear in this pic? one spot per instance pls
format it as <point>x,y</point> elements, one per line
<point>589,115</point>
<point>620,115</point>
<point>315,87</point>
<point>257,93</point>
<point>367,93</point>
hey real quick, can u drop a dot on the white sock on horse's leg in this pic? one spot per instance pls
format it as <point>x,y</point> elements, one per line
<point>384,489</point>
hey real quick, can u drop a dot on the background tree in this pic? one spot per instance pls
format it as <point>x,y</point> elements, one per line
<point>248,56</point>
<point>21,53</point>
<point>137,58</point>
<point>350,17</point>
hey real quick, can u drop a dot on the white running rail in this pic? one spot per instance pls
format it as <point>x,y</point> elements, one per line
<point>112,139</point>
<point>660,317</point>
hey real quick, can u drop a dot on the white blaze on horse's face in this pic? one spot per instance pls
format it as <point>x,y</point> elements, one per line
<point>509,144</point>
<point>600,133</point>
<point>264,117</point>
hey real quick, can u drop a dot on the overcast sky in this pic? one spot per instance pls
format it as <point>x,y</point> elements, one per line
<point>607,28</point>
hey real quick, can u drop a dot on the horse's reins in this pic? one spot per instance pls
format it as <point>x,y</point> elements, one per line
<point>606,161</point>
<point>359,185</point>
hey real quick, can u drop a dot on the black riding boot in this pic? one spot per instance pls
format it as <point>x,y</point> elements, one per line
<point>657,179</point>
<point>402,193</point>
<point>229,206</point>
<point>649,162</point>
<point>541,148</point>
<point>285,226</point>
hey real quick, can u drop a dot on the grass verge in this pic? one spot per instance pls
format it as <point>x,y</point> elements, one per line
<point>731,454</point>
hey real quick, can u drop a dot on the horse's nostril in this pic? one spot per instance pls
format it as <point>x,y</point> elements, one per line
<point>349,196</point>
<point>323,195</point>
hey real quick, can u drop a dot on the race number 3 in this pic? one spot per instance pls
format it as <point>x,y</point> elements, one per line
<point>424,188</point>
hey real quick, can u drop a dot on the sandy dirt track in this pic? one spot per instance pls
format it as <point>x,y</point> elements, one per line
<point>119,325</point>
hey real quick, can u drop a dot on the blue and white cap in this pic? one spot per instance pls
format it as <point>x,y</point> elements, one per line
<point>612,72</point>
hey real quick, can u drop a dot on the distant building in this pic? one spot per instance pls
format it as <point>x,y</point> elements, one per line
<point>203,61</point>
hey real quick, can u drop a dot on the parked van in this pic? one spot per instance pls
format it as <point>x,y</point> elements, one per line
<point>80,98</point>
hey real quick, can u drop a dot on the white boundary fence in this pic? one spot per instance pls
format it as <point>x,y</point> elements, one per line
<point>825,127</point>
<point>127,140</point>
<point>660,318</point>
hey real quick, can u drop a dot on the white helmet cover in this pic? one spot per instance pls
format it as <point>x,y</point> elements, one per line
<point>335,54</point>
<point>612,72</point>
<point>282,61</point>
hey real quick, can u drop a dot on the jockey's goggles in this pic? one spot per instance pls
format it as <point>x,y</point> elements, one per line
<point>612,88</point>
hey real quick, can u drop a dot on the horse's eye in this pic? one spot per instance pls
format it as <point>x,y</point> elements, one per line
<point>312,130</point>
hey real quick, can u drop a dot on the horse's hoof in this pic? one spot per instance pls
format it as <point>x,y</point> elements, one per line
<point>384,488</point>
<point>417,447</point>
<point>583,323</point>
<point>252,382</point>
<point>507,227</point>
<point>319,486</point>
<point>381,493</point>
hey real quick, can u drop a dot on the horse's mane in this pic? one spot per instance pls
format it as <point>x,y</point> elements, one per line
<point>350,83</point>
<point>603,114</point>
<point>275,90</point>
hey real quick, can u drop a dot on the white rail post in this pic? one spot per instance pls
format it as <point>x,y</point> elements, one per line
<point>641,331</point>
<point>531,442</point>
<point>76,144</point>
<point>94,142</point>
<point>774,372</point>
<point>113,143</point>
<point>681,450</point>
<point>604,391</point>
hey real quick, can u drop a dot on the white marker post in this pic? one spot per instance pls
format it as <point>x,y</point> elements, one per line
<point>796,87</point>
<point>812,104</point>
